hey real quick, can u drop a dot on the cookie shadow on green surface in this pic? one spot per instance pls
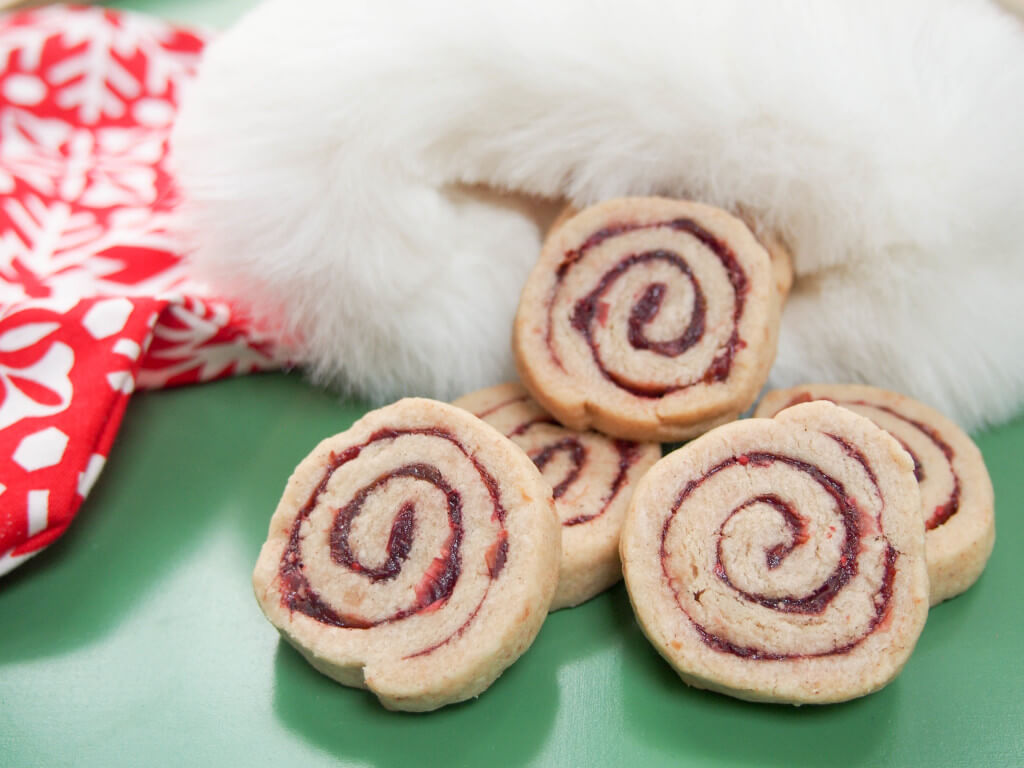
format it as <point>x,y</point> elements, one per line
<point>188,464</point>
<point>137,525</point>
<point>506,725</point>
<point>664,713</point>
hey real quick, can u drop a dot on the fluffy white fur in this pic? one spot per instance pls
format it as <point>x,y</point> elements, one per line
<point>330,151</point>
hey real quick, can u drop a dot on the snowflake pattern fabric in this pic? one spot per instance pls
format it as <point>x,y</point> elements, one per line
<point>94,298</point>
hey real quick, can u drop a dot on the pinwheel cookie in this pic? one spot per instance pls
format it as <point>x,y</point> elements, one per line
<point>648,319</point>
<point>781,559</point>
<point>956,493</point>
<point>592,477</point>
<point>415,554</point>
<point>778,252</point>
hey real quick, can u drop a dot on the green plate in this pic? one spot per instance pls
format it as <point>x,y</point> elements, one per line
<point>135,639</point>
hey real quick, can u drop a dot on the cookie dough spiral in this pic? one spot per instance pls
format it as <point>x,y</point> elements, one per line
<point>415,554</point>
<point>781,559</point>
<point>957,500</point>
<point>592,478</point>
<point>648,318</point>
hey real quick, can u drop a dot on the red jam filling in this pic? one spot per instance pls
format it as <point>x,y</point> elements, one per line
<point>947,509</point>
<point>400,540</point>
<point>796,523</point>
<point>498,406</point>
<point>857,456</point>
<point>589,308</point>
<point>814,603</point>
<point>628,456</point>
<point>437,583</point>
<point>918,467</point>
<point>577,457</point>
<point>629,453</point>
<point>942,512</point>
<point>497,553</point>
<point>527,424</point>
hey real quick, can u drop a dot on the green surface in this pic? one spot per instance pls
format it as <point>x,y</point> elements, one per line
<point>214,14</point>
<point>135,640</point>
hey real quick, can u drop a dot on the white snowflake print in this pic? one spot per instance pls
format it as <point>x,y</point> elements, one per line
<point>54,250</point>
<point>94,81</point>
<point>26,41</point>
<point>112,166</point>
<point>42,388</point>
<point>42,241</point>
<point>30,150</point>
<point>185,341</point>
<point>95,296</point>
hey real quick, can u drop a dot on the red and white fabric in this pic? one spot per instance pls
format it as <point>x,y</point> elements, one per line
<point>94,298</point>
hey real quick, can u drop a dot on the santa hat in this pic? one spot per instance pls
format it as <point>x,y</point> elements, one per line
<point>367,175</point>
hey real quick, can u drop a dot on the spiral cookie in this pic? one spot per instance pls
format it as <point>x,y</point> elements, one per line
<point>648,319</point>
<point>414,554</point>
<point>781,559</point>
<point>592,477</point>
<point>956,493</point>
<point>781,258</point>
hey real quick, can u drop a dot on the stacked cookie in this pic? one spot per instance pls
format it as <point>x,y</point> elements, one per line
<point>957,502</point>
<point>415,554</point>
<point>781,559</point>
<point>649,318</point>
<point>591,475</point>
<point>776,559</point>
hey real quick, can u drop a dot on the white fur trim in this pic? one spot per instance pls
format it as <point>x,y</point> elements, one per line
<point>321,149</point>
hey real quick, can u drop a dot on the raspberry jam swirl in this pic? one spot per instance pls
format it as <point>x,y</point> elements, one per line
<point>933,456</point>
<point>657,303</point>
<point>796,546</point>
<point>587,471</point>
<point>388,511</point>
